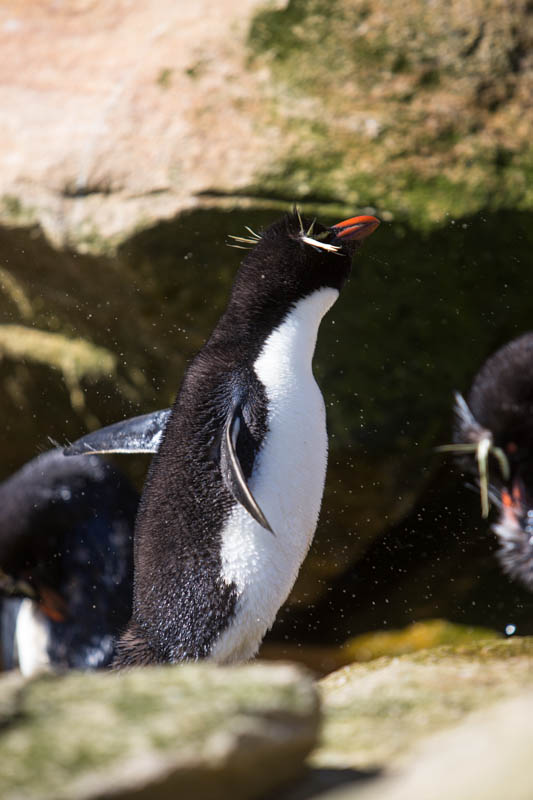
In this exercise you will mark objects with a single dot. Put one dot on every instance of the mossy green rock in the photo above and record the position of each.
(418, 636)
(376, 713)
(420, 109)
(411, 106)
(368, 646)
(188, 731)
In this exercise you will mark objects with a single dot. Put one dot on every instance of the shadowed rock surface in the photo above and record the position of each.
(369, 646)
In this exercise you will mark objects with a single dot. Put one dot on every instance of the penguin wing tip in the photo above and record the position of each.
(74, 450)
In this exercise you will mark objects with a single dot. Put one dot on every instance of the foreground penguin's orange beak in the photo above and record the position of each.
(355, 227)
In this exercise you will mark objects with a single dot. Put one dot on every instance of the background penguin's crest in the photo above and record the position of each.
(474, 439)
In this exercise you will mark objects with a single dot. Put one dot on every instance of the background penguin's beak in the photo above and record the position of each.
(355, 228)
(513, 504)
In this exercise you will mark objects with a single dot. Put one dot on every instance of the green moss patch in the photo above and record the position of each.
(412, 101)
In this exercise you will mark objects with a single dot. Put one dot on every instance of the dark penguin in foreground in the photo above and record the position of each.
(233, 494)
(66, 562)
(494, 440)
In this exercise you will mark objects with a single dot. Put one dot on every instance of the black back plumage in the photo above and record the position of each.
(180, 602)
(66, 538)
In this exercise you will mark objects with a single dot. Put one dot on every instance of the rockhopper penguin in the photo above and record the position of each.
(232, 498)
(494, 430)
(66, 562)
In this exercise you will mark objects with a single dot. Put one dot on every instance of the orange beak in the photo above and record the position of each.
(52, 604)
(355, 227)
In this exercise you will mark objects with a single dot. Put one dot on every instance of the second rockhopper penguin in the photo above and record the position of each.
(494, 440)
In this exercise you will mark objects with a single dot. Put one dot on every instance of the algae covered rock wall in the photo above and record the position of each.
(136, 139)
(419, 108)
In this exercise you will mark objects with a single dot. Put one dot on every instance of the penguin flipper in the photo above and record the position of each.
(141, 434)
(232, 470)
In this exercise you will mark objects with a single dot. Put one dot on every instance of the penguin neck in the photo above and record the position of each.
(287, 480)
(289, 348)
(289, 331)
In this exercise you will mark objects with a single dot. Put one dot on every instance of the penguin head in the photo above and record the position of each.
(494, 427)
(297, 256)
(494, 434)
(502, 399)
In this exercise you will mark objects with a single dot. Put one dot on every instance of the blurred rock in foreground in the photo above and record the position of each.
(375, 713)
(461, 713)
(451, 722)
(486, 757)
(189, 731)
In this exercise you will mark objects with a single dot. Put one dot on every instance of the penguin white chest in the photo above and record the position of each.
(287, 482)
(32, 636)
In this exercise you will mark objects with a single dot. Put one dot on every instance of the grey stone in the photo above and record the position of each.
(450, 722)
(185, 731)
(485, 757)
(376, 713)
